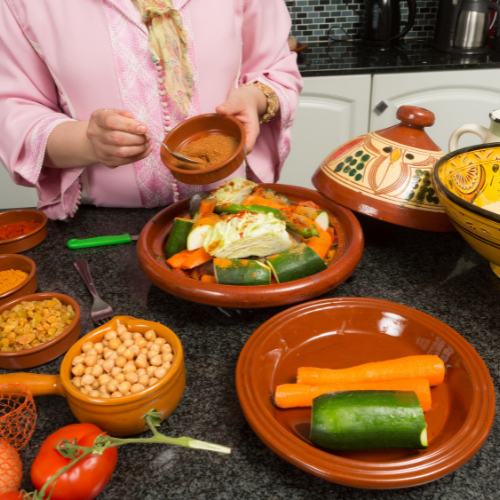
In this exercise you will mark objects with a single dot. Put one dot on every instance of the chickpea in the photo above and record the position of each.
(83, 391)
(155, 348)
(100, 361)
(136, 388)
(159, 340)
(167, 358)
(151, 354)
(140, 371)
(78, 370)
(105, 343)
(77, 360)
(156, 360)
(152, 381)
(110, 335)
(126, 336)
(88, 379)
(114, 355)
(135, 350)
(144, 351)
(128, 342)
(77, 382)
(87, 346)
(88, 388)
(141, 361)
(148, 345)
(150, 370)
(112, 386)
(160, 372)
(129, 367)
(108, 354)
(141, 343)
(116, 394)
(150, 335)
(108, 365)
(121, 361)
(94, 394)
(104, 395)
(124, 387)
(96, 371)
(131, 377)
(90, 360)
(104, 379)
(114, 343)
(121, 349)
(121, 329)
(98, 347)
(167, 366)
(87, 370)
(95, 385)
(166, 348)
(91, 352)
(143, 380)
(120, 377)
(115, 371)
(128, 355)
(137, 335)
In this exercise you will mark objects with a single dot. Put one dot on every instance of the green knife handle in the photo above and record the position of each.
(99, 241)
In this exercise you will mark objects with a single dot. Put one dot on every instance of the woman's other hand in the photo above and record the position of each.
(117, 138)
(247, 104)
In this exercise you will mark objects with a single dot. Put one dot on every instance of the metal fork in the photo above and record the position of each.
(101, 312)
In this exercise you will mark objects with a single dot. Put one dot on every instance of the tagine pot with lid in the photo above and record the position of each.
(387, 174)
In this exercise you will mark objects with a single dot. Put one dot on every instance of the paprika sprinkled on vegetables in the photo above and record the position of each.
(11, 231)
(10, 279)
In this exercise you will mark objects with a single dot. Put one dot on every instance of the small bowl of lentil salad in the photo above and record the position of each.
(37, 328)
(21, 229)
(17, 277)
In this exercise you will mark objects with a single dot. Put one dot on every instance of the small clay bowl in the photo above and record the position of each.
(48, 351)
(196, 128)
(116, 416)
(30, 240)
(343, 332)
(19, 263)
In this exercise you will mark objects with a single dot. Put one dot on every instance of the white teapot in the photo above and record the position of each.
(486, 135)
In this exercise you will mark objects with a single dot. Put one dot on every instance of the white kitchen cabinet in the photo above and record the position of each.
(455, 97)
(12, 196)
(332, 110)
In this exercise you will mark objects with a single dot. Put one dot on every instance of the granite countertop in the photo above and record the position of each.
(350, 58)
(437, 273)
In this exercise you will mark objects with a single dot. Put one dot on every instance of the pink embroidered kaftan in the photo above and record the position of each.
(61, 60)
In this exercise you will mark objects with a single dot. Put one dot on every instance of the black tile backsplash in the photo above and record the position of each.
(317, 20)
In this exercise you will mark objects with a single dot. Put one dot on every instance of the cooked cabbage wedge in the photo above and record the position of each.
(233, 191)
(247, 234)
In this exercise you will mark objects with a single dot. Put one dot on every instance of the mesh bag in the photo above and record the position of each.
(17, 414)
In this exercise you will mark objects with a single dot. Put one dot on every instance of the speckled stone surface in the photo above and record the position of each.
(437, 273)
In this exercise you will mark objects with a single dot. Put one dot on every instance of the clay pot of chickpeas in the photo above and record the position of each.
(115, 373)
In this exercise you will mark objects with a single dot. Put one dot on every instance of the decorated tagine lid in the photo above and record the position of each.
(387, 174)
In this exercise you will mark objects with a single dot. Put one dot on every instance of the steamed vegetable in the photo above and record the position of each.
(178, 237)
(360, 420)
(422, 366)
(233, 191)
(241, 272)
(301, 395)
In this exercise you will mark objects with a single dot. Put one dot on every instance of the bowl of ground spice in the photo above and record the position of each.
(21, 230)
(17, 277)
(217, 141)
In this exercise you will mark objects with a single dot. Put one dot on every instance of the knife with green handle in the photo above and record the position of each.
(101, 241)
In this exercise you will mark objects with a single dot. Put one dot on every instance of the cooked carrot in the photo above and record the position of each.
(207, 205)
(208, 219)
(207, 278)
(178, 259)
(253, 199)
(301, 395)
(321, 243)
(423, 366)
(196, 258)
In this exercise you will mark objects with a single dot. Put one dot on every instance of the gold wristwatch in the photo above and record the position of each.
(273, 103)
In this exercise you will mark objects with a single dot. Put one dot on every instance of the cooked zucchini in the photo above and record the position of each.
(242, 272)
(178, 237)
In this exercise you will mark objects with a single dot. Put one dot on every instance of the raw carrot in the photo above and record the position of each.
(207, 278)
(301, 395)
(196, 258)
(207, 205)
(178, 259)
(423, 366)
(321, 243)
(254, 199)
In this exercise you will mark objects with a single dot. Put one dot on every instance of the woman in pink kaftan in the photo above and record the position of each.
(61, 60)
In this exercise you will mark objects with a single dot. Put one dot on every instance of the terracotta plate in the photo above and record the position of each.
(343, 332)
(152, 260)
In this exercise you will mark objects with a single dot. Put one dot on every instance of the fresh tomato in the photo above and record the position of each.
(11, 495)
(83, 481)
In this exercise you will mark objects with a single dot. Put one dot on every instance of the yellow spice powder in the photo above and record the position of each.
(10, 279)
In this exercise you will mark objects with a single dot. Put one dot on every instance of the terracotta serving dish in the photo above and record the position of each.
(467, 180)
(20, 263)
(387, 174)
(48, 351)
(197, 128)
(344, 332)
(350, 248)
(30, 240)
(117, 416)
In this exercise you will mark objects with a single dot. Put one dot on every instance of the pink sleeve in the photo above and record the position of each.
(267, 58)
(28, 113)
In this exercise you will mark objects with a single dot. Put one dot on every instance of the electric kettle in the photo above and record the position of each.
(383, 21)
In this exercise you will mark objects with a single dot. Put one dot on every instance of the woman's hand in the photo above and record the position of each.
(117, 138)
(247, 104)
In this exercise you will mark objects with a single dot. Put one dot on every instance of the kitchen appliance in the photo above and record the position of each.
(383, 21)
(462, 26)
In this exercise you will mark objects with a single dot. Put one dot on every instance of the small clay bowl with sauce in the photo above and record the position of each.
(26, 241)
(43, 353)
(197, 128)
(18, 263)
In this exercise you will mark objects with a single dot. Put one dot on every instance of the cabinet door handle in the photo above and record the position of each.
(381, 107)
